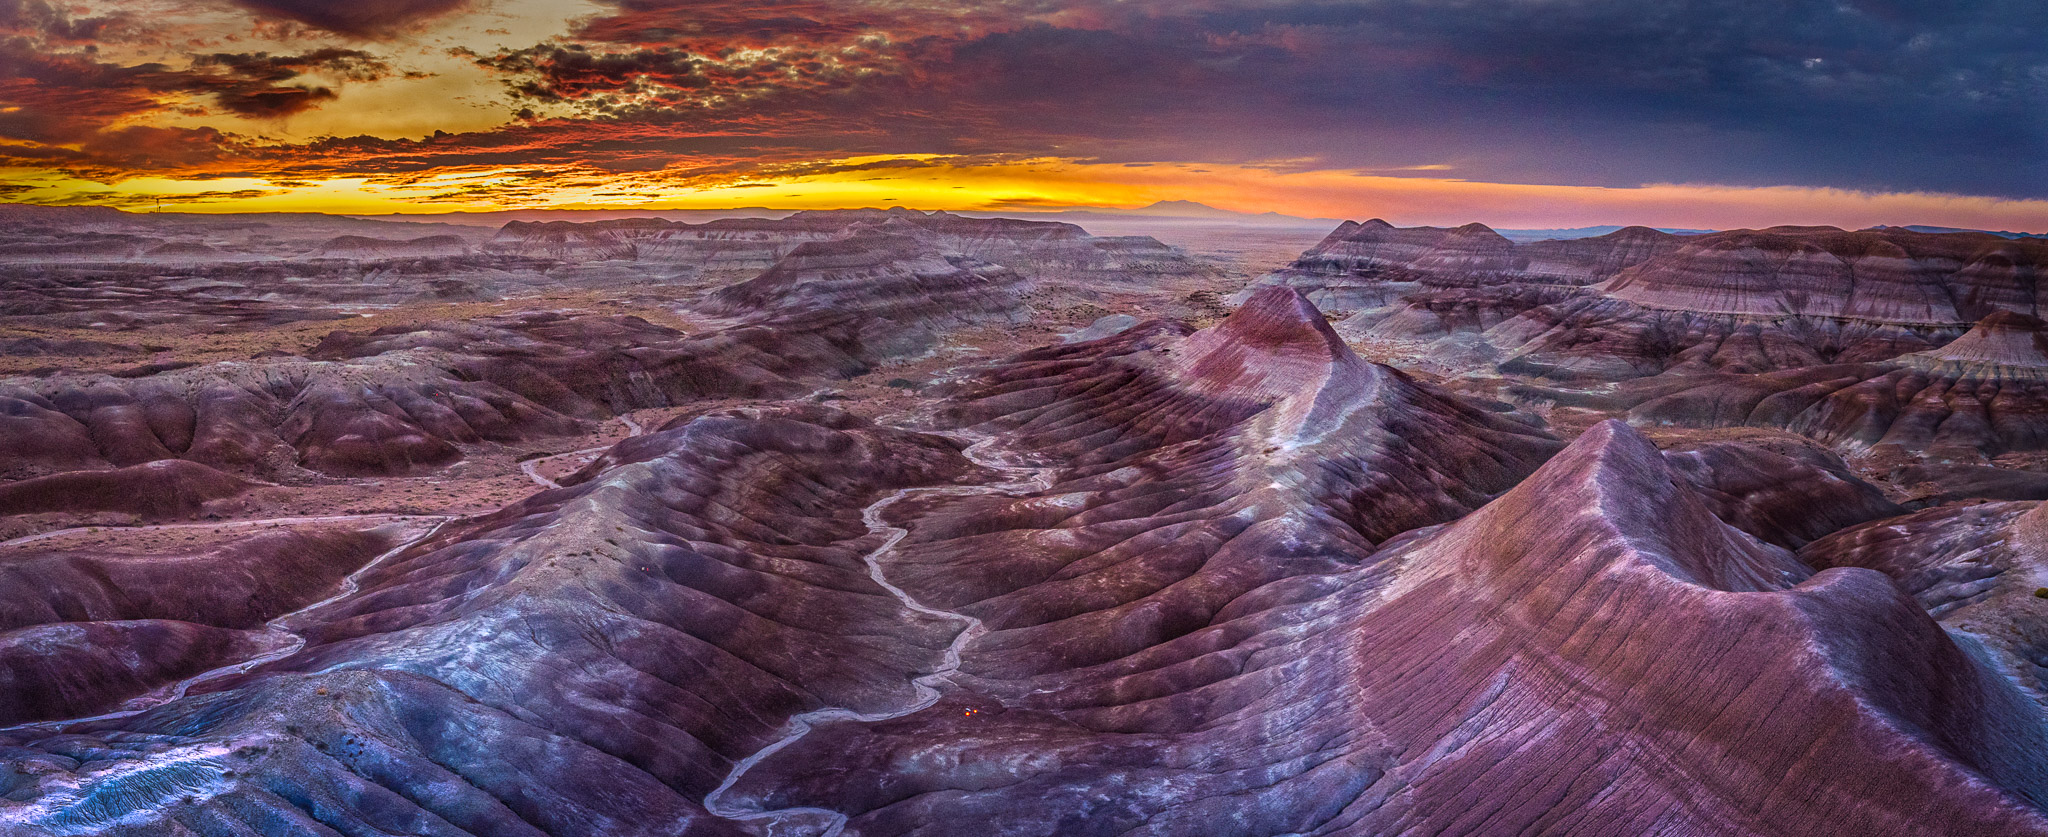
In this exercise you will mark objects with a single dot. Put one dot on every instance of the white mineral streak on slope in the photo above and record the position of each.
(287, 644)
(1023, 478)
(192, 774)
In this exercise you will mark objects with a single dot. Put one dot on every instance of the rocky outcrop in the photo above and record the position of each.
(1887, 276)
(2004, 346)
(1592, 339)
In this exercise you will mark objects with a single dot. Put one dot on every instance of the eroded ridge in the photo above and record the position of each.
(1183, 581)
(1592, 652)
(620, 643)
(1986, 393)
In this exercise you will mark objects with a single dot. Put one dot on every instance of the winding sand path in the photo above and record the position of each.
(1019, 478)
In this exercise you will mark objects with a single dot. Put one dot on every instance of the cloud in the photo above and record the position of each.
(1871, 94)
(68, 105)
(356, 18)
(1874, 95)
(259, 84)
(39, 18)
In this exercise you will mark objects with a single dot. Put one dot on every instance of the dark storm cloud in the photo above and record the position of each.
(356, 18)
(1861, 94)
(73, 102)
(258, 84)
(1873, 94)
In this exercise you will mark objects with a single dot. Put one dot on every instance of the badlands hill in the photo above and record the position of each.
(394, 401)
(233, 274)
(1984, 391)
(895, 523)
(1151, 583)
(1639, 302)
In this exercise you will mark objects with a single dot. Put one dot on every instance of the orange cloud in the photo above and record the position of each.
(992, 183)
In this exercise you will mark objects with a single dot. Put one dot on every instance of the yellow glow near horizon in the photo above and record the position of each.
(936, 182)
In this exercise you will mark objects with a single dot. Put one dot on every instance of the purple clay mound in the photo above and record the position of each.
(167, 489)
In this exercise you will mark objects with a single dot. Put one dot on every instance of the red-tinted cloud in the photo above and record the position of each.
(39, 18)
(64, 106)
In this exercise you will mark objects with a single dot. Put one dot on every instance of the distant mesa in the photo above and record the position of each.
(362, 247)
(186, 250)
(1372, 264)
(736, 249)
(1638, 302)
(1923, 228)
(1889, 277)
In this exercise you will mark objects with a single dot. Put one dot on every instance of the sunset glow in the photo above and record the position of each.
(1312, 109)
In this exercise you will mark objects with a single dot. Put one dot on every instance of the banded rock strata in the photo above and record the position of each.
(736, 249)
(1638, 302)
(1259, 586)
(1986, 392)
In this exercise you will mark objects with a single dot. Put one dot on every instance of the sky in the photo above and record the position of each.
(1516, 113)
